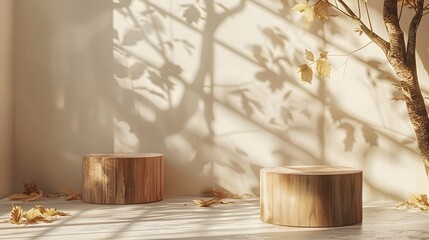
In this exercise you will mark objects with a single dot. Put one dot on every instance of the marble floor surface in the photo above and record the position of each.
(180, 218)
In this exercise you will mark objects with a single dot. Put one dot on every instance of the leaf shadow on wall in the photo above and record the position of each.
(176, 111)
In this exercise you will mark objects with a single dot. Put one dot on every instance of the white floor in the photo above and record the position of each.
(180, 218)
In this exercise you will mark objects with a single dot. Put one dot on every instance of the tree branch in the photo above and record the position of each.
(383, 44)
(397, 50)
(412, 34)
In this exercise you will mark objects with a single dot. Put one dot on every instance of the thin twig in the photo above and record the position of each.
(400, 12)
(368, 16)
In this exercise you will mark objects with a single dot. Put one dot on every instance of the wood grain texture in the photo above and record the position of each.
(123, 178)
(311, 196)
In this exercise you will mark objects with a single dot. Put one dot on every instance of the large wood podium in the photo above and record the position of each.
(123, 178)
(311, 196)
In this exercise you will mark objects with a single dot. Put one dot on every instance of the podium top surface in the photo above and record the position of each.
(311, 170)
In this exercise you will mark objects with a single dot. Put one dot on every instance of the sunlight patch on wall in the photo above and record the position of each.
(125, 140)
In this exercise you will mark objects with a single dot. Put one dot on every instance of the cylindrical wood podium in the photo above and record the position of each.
(311, 196)
(123, 178)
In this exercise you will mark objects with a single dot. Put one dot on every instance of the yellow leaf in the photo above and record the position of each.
(309, 55)
(308, 12)
(299, 7)
(306, 73)
(321, 10)
(41, 209)
(324, 54)
(207, 203)
(424, 199)
(50, 212)
(323, 68)
(33, 213)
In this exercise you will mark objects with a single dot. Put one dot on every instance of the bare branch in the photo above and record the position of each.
(383, 44)
(368, 16)
(412, 4)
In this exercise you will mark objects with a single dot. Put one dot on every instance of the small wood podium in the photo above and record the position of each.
(123, 178)
(311, 196)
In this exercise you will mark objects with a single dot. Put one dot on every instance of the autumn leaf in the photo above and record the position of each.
(309, 55)
(207, 203)
(323, 68)
(308, 12)
(306, 73)
(16, 215)
(321, 10)
(191, 14)
(30, 188)
(33, 216)
(324, 54)
(219, 192)
(34, 196)
(415, 200)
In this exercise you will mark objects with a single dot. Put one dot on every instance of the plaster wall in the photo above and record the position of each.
(6, 96)
(212, 87)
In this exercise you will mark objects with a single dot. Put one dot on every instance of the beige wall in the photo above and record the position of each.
(6, 96)
(63, 73)
(220, 97)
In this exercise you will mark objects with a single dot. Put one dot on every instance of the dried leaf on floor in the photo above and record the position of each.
(34, 196)
(18, 196)
(16, 215)
(34, 215)
(30, 188)
(219, 192)
(207, 203)
(67, 194)
(31, 192)
(416, 200)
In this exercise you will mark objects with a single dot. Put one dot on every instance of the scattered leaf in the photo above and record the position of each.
(16, 215)
(34, 196)
(306, 73)
(30, 188)
(207, 203)
(34, 215)
(418, 201)
(18, 196)
(219, 192)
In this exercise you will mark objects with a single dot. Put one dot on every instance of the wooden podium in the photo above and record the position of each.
(123, 178)
(311, 196)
